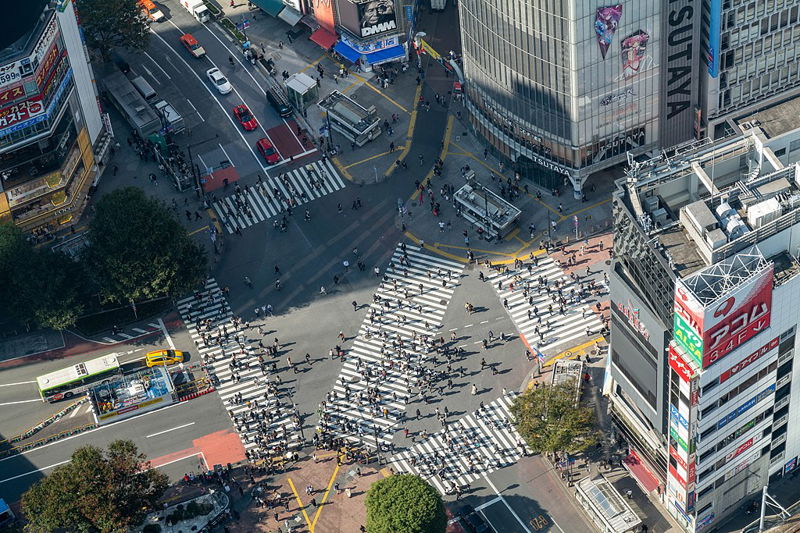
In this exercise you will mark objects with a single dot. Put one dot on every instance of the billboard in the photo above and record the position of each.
(376, 17)
(323, 13)
(688, 325)
(750, 359)
(634, 47)
(606, 20)
(679, 81)
(21, 112)
(714, 28)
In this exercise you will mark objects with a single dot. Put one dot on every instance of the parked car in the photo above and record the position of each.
(219, 81)
(268, 151)
(245, 118)
(473, 521)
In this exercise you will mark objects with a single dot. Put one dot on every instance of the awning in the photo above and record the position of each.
(347, 52)
(273, 7)
(324, 38)
(387, 54)
(290, 16)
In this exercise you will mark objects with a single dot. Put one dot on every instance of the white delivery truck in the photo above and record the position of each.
(198, 9)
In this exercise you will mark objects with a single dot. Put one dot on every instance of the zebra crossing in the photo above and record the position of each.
(534, 304)
(476, 444)
(391, 348)
(262, 416)
(250, 205)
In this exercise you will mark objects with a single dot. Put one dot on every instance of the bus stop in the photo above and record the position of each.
(302, 90)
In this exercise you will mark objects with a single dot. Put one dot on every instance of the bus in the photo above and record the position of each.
(75, 379)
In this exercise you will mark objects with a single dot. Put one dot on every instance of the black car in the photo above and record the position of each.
(473, 521)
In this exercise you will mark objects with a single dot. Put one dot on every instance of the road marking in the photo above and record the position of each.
(454, 329)
(469, 325)
(167, 335)
(524, 527)
(293, 134)
(21, 401)
(17, 383)
(300, 503)
(485, 322)
(183, 459)
(195, 109)
(226, 155)
(157, 65)
(75, 411)
(487, 504)
(168, 430)
(205, 167)
(151, 74)
(324, 498)
(34, 471)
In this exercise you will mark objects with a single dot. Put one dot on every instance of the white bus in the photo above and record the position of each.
(75, 379)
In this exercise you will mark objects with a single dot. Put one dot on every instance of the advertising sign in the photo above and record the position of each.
(606, 20)
(739, 317)
(323, 13)
(47, 38)
(679, 417)
(790, 465)
(740, 450)
(680, 366)
(750, 359)
(9, 95)
(371, 46)
(746, 406)
(675, 455)
(679, 83)
(634, 47)
(681, 442)
(47, 64)
(10, 73)
(20, 112)
(674, 472)
(714, 27)
(376, 16)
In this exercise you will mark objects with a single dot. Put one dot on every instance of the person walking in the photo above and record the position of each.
(474, 390)
(355, 306)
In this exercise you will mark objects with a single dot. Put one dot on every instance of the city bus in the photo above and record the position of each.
(75, 379)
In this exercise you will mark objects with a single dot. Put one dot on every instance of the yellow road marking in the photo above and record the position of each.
(434, 249)
(300, 503)
(342, 169)
(350, 87)
(574, 351)
(457, 247)
(511, 235)
(324, 498)
(198, 230)
(578, 212)
(524, 244)
(385, 472)
(368, 159)
(313, 63)
(213, 216)
(368, 84)
(412, 124)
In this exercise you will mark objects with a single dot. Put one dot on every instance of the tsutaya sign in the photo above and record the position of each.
(708, 333)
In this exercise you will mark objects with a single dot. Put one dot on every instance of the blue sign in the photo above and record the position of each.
(746, 406)
(676, 415)
(714, 28)
(46, 115)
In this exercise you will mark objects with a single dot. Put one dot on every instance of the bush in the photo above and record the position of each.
(231, 28)
(215, 12)
(404, 504)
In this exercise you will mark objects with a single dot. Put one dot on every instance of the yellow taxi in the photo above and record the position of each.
(163, 357)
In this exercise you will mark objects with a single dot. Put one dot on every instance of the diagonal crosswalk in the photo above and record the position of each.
(390, 350)
(263, 415)
(476, 444)
(254, 204)
(536, 295)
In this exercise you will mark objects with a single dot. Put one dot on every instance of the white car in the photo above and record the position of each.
(220, 82)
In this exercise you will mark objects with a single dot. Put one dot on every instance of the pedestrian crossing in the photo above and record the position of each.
(531, 297)
(476, 444)
(250, 205)
(389, 352)
(264, 417)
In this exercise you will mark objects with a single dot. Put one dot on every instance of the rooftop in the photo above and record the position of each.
(22, 19)
(774, 120)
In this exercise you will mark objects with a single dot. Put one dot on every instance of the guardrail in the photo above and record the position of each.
(47, 440)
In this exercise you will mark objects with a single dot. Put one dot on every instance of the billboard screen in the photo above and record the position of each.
(688, 328)
(714, 29)
(376, 17)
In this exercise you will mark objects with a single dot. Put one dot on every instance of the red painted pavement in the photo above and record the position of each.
(283, 137)
(638, 469)
(218, 448)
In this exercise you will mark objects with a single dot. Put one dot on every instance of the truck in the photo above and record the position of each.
(438, 5)
(198, 9)
(171, 119)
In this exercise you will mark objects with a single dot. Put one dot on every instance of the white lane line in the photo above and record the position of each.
(167, 336)
(524, 527)
(205, 167)
(17, 383)
(487, 504)
(151, 74)
(34, 471)
(293, 134)
(485, 322)
(157, 65)
(180, 459)
(195, 109)
(224, 111)
(226, 155)
(21, 401)
(168, 430)
(75, 411)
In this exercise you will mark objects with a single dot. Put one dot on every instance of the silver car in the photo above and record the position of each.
(219, 81)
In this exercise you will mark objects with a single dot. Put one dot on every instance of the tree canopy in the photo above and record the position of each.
(111, 23)
(38, 286)
(550, 421)
(139, 251)
(404, 503)
(97, 490)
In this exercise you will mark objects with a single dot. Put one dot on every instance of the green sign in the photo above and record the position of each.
(678, 439)
(688, 339)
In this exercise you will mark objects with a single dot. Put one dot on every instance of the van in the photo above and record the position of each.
(278, 101)
(152, 11)
(171, 119)
(144, 88)
(191, 44)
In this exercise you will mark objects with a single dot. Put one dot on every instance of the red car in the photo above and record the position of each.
(245, 118)
(268, 151)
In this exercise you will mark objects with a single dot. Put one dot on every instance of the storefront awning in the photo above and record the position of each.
(387, 54)
(324, 38)
(346, 51)
(273, 7)
(290, 16)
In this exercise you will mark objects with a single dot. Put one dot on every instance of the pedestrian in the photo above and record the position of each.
(474, 390)
(355, 306)
(347, 492)
(322, 290)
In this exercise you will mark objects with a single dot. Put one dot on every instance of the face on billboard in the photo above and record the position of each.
(633, 53)
(376, 16)
(606, 20)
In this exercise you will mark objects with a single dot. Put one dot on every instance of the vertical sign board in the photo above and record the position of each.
(688, 329)
(679, 82)
(714, 29)
(323, 12)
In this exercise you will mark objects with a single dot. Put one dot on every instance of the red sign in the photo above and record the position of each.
(46, 64)
(632, 314)
(674, 453)
(9, 95)
(20, 112)
(750, 359)
(692, 472)
(677, 476)
(680, 366)
(741, 449)
(741, 316)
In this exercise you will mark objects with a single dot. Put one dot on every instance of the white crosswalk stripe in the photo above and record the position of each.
(253, 204)
(371, 392)
(476, 444)
(532, 305)
(262, 414)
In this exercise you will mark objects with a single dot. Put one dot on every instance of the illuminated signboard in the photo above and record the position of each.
(680, 366)
(674, 434)
(746, 406)
(688, 323)
(750, 359)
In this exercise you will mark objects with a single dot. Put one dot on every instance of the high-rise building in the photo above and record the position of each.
(52, 135)
(704, 289)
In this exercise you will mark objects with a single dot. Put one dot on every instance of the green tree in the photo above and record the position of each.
(404, 504)
(550, 421)
(39, 286)
(111, 23)
(139, 251)
(98, 490)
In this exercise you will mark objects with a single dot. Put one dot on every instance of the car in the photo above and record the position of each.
(220, 82)
(192, 46)
(473, 521)
(268, 151)
(163, 357)
(245, 118)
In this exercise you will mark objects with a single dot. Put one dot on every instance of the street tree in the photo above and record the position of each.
(550, 420)
(97, 490)
(111, 23)
(138, 250)
(404, 503)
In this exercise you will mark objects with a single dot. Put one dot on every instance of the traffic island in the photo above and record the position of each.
(202, 513)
